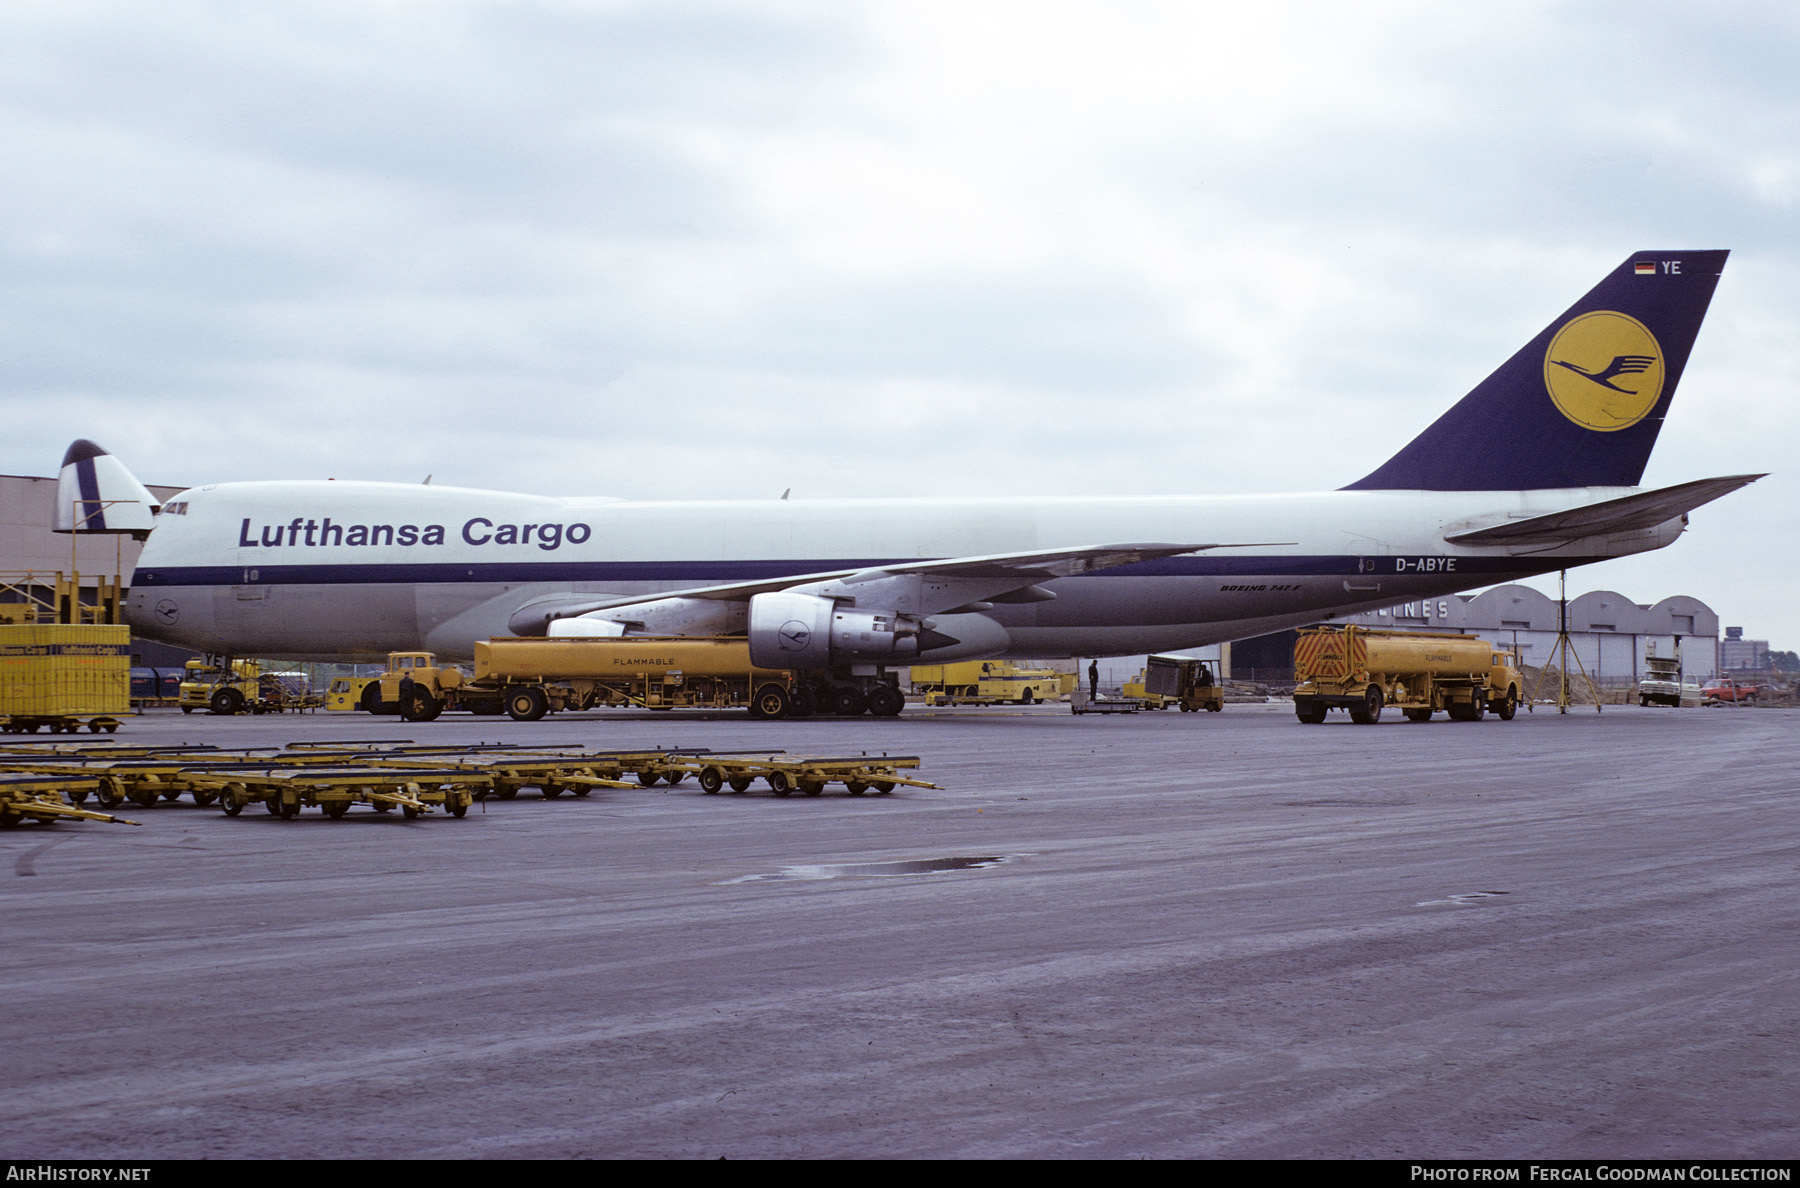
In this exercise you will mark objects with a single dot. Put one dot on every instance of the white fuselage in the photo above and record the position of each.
(355, 570)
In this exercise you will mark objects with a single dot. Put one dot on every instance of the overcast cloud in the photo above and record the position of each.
(721, 249)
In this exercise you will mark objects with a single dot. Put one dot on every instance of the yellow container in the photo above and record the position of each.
(56, 668)
(936, 676)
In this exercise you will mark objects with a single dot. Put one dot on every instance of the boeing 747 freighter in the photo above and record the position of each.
(1534, 470)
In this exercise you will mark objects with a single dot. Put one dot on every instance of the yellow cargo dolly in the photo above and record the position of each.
(39, 798)
(510, 767)
(505, 775)
(141, 781)
(57, 723)
(398, 773)
(148, 775)
(284, 791)
(142, 775)
(579, 772)
(808, 773)
(19, 750)
(575, 774)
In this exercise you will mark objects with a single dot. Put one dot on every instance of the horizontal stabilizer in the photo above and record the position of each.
(1631, 513)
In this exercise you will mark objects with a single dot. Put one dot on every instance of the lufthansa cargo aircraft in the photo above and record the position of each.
(1534, 470)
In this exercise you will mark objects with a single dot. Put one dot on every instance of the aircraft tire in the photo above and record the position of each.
(885, 701)
(847, 701)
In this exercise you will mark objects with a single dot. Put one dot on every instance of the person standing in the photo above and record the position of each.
(1094, 680)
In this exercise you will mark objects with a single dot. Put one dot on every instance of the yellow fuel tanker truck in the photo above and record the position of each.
(1362, 670)
(528, 678)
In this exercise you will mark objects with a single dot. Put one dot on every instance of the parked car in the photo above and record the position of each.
(1716, 692)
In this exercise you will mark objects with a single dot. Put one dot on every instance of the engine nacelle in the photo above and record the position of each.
(662, 616)
(584, 627)
(789, 630)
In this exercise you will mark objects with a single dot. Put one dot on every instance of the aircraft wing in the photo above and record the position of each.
(955, 580)
(1025, 568)
(1646, 509)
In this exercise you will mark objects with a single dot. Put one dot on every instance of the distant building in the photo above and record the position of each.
(1737, 654)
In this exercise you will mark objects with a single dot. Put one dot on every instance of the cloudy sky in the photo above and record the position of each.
(719, 249)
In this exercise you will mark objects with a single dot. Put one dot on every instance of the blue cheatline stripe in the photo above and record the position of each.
(720, 572)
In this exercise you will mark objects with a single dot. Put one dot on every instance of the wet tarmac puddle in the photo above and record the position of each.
(1462, 899)
(845, 870)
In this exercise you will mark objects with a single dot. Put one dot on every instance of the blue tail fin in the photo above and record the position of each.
(1580, 405)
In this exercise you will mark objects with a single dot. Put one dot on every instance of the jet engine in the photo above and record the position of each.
(789, 630)
(792, 630)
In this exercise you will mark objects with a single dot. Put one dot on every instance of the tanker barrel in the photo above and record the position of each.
(1437, 656)
(615, 658)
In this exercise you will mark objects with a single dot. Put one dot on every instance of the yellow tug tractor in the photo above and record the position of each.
(1175, 680)
(214, 687)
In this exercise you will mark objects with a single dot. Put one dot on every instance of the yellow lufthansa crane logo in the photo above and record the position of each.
(1604, 370)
